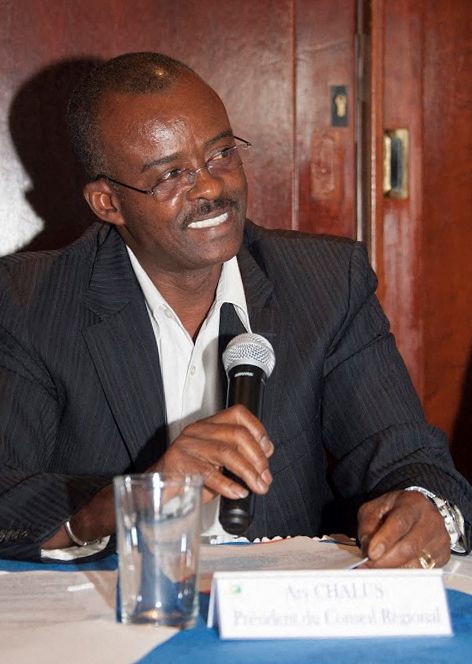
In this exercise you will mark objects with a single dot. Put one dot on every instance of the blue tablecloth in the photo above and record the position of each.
(108, 563)
(203, 646)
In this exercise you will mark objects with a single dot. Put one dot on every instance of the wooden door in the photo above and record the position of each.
(421, 64)
(273, 63)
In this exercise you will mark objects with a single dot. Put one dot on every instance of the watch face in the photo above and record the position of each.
(449, 516)
(452, 516)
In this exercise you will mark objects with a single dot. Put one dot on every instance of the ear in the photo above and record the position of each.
(103, 202)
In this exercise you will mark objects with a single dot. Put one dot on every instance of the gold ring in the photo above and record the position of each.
(426, 560)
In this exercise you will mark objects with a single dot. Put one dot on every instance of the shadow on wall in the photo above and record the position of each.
(461, 441)
(39, 133)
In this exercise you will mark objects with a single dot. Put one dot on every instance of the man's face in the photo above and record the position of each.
(145, 137)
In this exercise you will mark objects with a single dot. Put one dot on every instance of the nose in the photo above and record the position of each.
(206, 185)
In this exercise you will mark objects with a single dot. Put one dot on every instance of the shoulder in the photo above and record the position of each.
(306, 257)
(320, 282)
(31, 275)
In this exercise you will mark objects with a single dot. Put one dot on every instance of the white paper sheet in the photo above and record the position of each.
(297, 553)
(302, 553)
(458, 574)
(68, 617)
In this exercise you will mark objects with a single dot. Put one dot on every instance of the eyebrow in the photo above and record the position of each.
(226, 133)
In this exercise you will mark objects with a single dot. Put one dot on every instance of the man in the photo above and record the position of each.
(110, 349)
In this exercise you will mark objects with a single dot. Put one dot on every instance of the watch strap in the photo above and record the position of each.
(453, 519)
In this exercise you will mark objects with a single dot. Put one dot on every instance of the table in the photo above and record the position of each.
(99, 639)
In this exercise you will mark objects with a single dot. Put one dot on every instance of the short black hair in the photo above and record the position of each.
(135, 73)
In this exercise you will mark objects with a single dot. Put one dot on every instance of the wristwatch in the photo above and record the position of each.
(453, 519)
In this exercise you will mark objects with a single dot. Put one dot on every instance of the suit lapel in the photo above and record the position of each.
(124, 352)
(123, 348)
(266, 319)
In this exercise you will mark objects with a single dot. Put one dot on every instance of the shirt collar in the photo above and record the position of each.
(230, 289)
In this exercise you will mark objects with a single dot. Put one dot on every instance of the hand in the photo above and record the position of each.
(234, 439)
(396, 528)
(96, 519)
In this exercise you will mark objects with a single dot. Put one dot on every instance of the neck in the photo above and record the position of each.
(189, 295)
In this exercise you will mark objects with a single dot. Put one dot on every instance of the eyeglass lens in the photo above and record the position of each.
(224, 161)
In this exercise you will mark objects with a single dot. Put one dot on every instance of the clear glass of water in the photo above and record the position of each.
(158, 538)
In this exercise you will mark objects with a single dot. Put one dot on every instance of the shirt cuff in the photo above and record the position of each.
(75, 552)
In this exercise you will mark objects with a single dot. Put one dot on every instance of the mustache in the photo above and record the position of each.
(207, 207)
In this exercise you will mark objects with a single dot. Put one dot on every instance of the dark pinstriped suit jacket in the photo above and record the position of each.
(81, 395)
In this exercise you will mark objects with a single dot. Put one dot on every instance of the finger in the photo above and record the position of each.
(241, 457)
(214, 482)
(218, 483)
(395, 559)
(208, 495)
(207, 454)
(225, 439)
(371, 515)
(408, 551)
(413, 525)
(240, 415)
(395, 537)
(229, 445)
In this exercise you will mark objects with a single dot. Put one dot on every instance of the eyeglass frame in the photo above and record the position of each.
(150, 192)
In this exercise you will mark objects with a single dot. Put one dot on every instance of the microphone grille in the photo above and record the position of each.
(250, 349)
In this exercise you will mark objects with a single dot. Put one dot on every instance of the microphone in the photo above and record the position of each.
(248, 360)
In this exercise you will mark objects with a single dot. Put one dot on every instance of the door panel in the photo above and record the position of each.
(397, 98)
(446, 256)
(422, 246)
(325, 153)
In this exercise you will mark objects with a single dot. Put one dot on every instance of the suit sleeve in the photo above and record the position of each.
(33, 501)
(373, 423)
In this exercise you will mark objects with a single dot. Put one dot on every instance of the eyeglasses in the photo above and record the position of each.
(179, 180)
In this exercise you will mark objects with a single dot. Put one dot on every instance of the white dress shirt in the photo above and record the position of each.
(190, 370)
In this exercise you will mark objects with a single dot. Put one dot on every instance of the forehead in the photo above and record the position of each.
(182, 117)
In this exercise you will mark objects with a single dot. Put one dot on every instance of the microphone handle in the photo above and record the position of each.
(245, 386)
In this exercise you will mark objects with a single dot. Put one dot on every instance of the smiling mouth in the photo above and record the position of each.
(209, 223)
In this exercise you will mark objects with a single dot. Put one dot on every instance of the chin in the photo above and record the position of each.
(210, 259)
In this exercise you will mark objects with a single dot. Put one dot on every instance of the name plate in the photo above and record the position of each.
(329, 604)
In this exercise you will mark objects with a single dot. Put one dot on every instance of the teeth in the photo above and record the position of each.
(208, 223)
